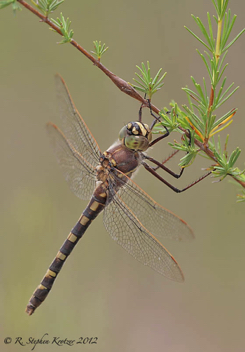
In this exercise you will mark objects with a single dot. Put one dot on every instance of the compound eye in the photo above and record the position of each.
(139, 143)
(123, 133)
(147, 128)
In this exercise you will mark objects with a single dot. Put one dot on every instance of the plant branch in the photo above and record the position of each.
(126, 87)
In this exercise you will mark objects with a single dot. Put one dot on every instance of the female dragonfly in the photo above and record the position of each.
(131, 217)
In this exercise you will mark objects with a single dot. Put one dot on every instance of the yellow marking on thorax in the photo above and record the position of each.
(72, 237)
(50, 273)
(129, 172)
(113, 162)
(61, 256)
(84, 220)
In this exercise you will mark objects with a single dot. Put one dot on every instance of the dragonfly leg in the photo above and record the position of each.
(140, 110)
(160, 138)
(167, 159)
(156, 118)
(162, 166)
(140, 113)
(175, 189)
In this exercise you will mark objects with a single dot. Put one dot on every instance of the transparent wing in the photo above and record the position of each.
(127, 231)
(80, 174)
(74, 126)
(158, 220)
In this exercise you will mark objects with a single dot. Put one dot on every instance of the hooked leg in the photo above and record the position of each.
(175, 189)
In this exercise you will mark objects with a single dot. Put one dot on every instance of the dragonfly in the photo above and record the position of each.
(132, 218)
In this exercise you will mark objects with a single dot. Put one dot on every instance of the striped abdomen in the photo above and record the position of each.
(95, 206)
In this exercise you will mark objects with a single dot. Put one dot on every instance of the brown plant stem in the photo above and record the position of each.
(119, 82)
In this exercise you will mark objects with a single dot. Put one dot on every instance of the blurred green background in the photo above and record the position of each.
(102, 291)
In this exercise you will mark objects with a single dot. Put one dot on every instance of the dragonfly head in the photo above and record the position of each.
(136, 136)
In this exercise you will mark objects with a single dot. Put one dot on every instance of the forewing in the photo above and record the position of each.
(74, 126)
(158, 220)
(127, 231)
(80, 175)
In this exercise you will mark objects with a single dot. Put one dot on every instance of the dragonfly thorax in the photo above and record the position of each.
(136, 136)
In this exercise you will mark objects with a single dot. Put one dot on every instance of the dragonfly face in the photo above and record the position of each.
(136, 136)
(131, 216)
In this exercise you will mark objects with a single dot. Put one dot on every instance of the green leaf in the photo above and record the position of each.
(222, 101)
(233, 41)
(14, 3)
(6, 3)
(223, 118)
(99, 49)
(199, 39)
(64, 26)
(206, 64)
(47, 6)
(204, 31)
(148, 85)
(216, 6)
